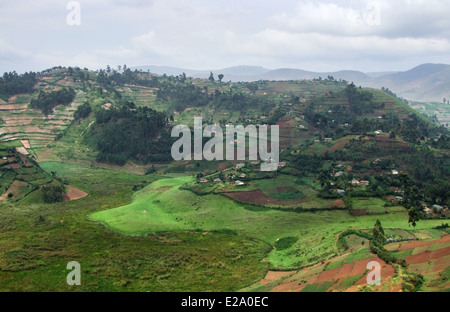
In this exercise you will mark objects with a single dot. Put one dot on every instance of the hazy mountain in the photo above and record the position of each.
(427, 82)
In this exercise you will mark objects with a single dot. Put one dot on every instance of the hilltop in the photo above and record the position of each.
(426, 82)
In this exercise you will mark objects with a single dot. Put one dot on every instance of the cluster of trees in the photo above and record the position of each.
(47, 101)
(185, 95)
(12, 83)
(124, 75)
(53, 193)
(77, 73)
(125, 132)
(83, 111)
(361, 102)
(306, 163)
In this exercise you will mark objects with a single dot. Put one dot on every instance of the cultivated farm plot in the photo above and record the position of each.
(369, 205)
(348, 272)
(21, 123)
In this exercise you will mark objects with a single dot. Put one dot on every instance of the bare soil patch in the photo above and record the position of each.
(254, 197)
(74, 194)
(416, 244)
(22, 150)
(358, 212)
(337, 203)
(13, 166)
(339, 145)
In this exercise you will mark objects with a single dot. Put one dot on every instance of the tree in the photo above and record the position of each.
(211, 77)
(413, 216)
(82, 111)
(378, 233)
(220, 77)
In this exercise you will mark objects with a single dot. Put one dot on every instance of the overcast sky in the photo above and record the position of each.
(210, 34)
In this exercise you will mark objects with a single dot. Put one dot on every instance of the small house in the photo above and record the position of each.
(355, 182)
(240, 166)
(428, 211)
(217, 180)
(365, 183)
(204, 180)
(243, 176)
(437, 208)
(328, 140)
(395, 172)
(239, 183)
(340, 192)
(282, 164)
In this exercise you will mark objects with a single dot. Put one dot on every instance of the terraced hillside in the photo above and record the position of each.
(24, 123)
(20, 175)
(348, 272)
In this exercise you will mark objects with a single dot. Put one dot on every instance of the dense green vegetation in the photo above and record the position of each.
(48, 101)
(125, 132)
(13, 83)
(82, 111)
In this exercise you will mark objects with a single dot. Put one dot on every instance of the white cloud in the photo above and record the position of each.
(209, 34)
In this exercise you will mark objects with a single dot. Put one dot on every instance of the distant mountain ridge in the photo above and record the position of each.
(426, 82)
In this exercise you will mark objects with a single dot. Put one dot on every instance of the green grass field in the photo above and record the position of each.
(38, 240)
(162, 207)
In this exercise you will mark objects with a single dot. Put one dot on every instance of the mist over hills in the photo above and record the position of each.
(426, 82)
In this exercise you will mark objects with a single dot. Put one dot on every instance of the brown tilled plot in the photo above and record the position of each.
(74, 194)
